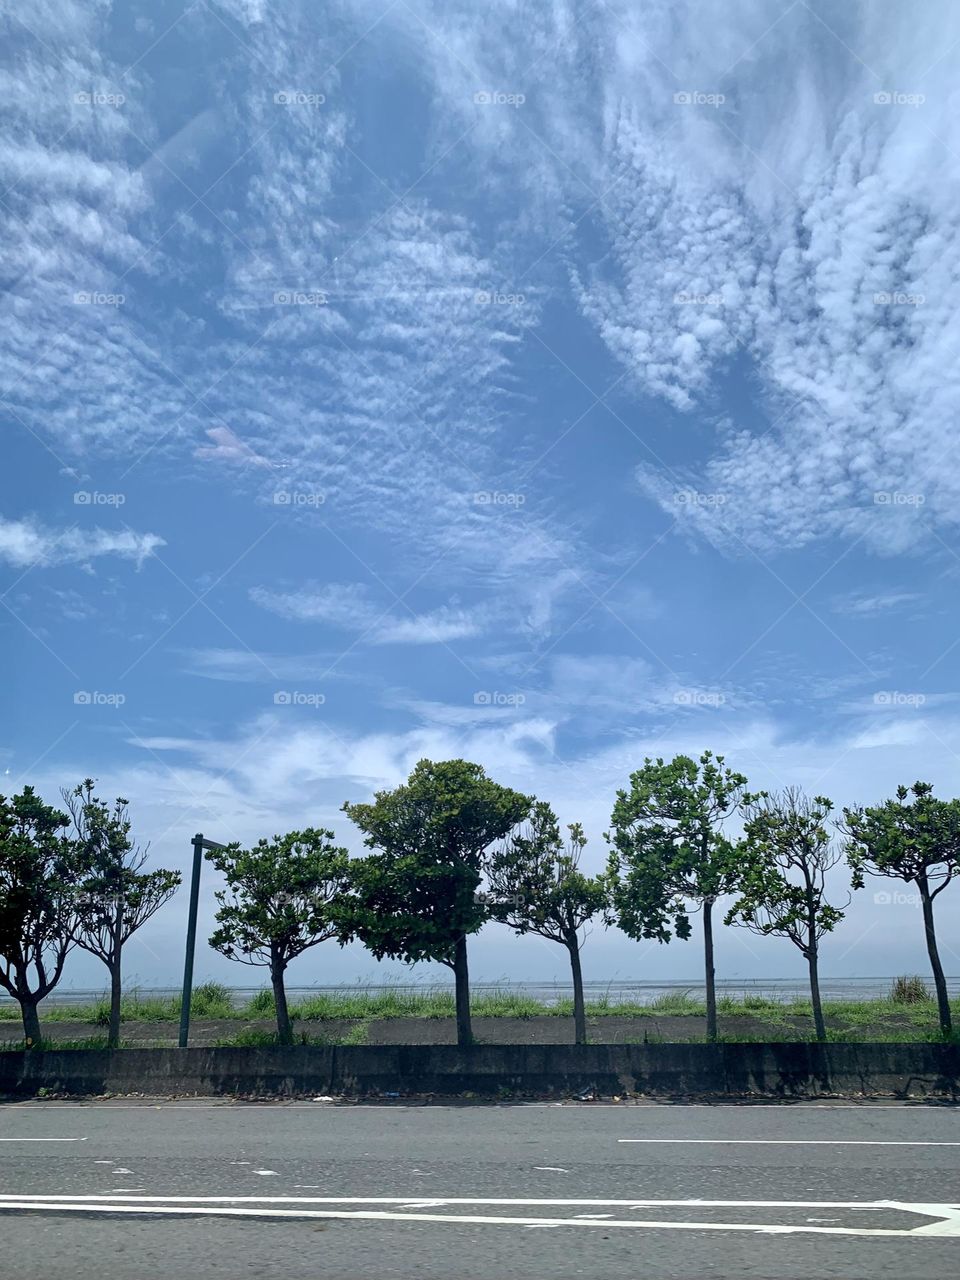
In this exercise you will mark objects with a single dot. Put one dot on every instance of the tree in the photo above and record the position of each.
(916, 840)
(669, 849)
(415, 897)
(115, 896)
(535, 885)
(37, 908)
(278, 904)
(786, 855)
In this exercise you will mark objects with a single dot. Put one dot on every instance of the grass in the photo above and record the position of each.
(907, 1013)
(210, 1000)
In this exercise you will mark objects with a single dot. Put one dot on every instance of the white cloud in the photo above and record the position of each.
(860, 605)
(24, 543)
(799, 227)
(227, 447)
(352, 607)
(244, 666)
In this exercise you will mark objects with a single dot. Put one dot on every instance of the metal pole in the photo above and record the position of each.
(198, 844)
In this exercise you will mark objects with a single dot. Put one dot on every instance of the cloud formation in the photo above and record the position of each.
(27, 543)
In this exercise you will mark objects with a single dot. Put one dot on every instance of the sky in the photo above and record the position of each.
(549, 384)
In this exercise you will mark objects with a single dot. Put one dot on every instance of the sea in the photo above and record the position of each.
(615, 990)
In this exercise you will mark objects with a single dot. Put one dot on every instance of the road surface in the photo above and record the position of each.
(138, 1191)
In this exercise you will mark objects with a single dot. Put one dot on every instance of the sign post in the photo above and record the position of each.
(199, 844)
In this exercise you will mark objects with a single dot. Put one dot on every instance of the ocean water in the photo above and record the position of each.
(616, 990)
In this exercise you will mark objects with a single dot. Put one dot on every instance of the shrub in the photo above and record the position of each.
(909, 989)
(212, 1000)
(261, 1005)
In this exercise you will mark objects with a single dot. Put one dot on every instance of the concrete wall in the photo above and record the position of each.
(774, 1070)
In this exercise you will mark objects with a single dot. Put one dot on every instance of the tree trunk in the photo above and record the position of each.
(461, 978)
(284, 1026)
(31, 1021)
(113, 1034)
(813, 961)
(709, 970)
(579, 1013)
(939, 981)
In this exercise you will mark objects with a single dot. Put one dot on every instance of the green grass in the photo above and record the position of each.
(892, 1018)
(429, 1003)
(210, 1000)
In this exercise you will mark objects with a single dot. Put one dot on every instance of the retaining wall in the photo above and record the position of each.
(666, 1070)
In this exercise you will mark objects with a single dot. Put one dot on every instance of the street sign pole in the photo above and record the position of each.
(199, 844)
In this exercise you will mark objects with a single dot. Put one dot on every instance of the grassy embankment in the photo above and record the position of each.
(908, 1014)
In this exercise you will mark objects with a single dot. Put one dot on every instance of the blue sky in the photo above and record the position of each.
(549, 384)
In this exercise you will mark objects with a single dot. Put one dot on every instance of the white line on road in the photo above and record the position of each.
(949, 1225)
(635, 1202)
(42, 1139)
(786, 1142)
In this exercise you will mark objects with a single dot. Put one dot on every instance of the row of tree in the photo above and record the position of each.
(451, 849)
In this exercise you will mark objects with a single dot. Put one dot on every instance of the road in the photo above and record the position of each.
(138, 1191)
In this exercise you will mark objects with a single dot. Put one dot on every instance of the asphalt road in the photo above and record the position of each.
(199, 1189)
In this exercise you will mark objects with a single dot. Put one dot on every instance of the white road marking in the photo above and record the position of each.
(947, 1223)
(47, 1140)
(549, 1168)
(266, 1173)
(635, 1202)
(785, 1142)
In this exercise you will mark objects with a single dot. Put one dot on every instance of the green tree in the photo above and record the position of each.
(915, 838)
(278, 903)
(415, 896)
(669, 849)
(37, 903)
(535, 885)
(115, 896)
(786, 855)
